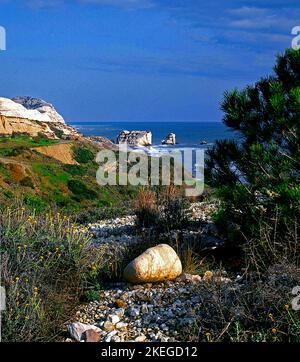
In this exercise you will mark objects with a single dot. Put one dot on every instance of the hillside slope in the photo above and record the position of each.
(54, 173)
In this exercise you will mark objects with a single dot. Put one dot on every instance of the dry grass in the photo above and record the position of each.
(46, 263)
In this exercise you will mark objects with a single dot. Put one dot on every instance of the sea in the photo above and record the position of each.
(189, 135)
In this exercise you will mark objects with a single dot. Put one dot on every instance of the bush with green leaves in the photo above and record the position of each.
(81, 191)
(258, 174)
(83, 155)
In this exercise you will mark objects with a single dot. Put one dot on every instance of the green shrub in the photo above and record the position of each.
(81, 191)
(35, 202)
(27, 182)
(74, 170)
(12, 152)
(83, 155)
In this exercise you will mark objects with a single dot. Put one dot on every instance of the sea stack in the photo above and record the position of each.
(170, 140)
(135, 138)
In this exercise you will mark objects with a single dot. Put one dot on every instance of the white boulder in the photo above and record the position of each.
(154, 265)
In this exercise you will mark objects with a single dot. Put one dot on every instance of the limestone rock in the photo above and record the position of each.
(11, 109)
(42, 107)
(15, 125)
(91, 335)
(27, 115)
(77, 330)
(135, 138)
(170, 140)
(154, 265)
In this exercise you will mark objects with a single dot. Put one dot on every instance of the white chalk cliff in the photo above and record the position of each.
(33, 118)
(44, 108)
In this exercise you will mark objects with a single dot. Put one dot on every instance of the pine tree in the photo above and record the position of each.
(257, 176)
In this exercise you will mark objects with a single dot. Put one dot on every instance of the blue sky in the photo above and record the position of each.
(140, 60)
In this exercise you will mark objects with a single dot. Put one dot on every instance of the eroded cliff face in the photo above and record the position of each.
(16, 125)
(33, 118)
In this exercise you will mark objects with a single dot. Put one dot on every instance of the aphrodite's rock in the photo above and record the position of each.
(42, 107)
(154, 265)
(135, 138)
(170, 140)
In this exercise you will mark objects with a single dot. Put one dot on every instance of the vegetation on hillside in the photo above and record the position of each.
(43, 182)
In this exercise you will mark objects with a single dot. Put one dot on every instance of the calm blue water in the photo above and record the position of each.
(188, 134)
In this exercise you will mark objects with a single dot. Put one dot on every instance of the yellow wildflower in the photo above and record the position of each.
(274, 330)
(286, 307)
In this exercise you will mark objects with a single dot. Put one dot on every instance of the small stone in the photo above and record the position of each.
(144, 309)
(120, 312)
(77, 329)
(189, 278)
(113, 318)
(120, 303)
(208, 275)
(141, 338)
(115, 339)
(134, 312)
(110, 335)
(121, 326)
(91, 336)
(108, 326)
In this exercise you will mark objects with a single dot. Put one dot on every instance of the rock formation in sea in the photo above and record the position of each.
(170, 140)
(135, 138)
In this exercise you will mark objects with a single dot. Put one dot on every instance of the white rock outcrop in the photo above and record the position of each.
(154, 265)
(9, 108)
(42, 107)
(14, 119)
(135, 138)
(27, 115)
